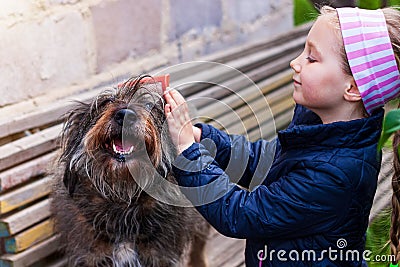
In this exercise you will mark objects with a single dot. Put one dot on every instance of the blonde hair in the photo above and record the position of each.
(392, 17)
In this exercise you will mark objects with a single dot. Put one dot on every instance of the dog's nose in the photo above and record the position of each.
(127, 115)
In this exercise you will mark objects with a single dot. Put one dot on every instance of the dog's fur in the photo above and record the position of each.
(105, 218)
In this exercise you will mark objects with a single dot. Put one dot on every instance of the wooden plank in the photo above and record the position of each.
(31, 255)
(22, 219)
(268, 130)
(383, 195)
(62, 262)
(30, 237)
(22, 173)
(24, 195)
(250, 123)
(257, 107)
(41, 111)
(250, 81)
(29, 147)
(213, 110)
(223, 251)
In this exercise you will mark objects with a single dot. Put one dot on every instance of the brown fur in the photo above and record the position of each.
(101, 203)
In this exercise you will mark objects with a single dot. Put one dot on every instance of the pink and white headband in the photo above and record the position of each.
(370, 55)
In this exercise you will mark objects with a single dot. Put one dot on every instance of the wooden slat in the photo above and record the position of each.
(213, 110)
(223, 251)
(29, 147)
(268, 129)
(22, 173)
(31, 255)
(22, 219)
(275, 68)
(24, 195)
(258, 107)
(62, 262)
(48, 112)
(30, 237)
(384, 191)
(249, 124)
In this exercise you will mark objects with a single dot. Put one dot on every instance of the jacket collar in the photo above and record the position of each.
(307, 130)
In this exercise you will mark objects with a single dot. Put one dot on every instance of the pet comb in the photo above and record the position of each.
(160, 83)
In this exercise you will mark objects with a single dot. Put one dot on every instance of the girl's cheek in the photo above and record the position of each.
(310, 91)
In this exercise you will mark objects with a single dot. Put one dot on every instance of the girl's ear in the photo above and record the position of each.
(352, 93)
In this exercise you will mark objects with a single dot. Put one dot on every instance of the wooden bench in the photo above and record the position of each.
(29, 132)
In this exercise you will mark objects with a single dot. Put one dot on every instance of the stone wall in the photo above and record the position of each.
(49, 45)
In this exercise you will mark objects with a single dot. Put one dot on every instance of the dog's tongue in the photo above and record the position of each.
(122, 146)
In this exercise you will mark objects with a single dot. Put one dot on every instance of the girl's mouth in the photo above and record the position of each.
(296, 82)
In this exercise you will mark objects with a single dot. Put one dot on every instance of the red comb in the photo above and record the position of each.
(158, 80)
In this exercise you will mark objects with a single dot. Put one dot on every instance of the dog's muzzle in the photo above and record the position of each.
(123, 146)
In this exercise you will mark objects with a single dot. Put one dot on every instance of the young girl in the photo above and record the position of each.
(313, 205)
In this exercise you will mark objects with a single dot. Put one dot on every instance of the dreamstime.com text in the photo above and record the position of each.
(333, 254)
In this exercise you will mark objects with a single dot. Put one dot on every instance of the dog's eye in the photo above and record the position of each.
(149, 106)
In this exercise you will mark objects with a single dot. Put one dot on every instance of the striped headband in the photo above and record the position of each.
(370, 55)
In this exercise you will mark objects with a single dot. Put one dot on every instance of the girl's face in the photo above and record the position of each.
(319, 81)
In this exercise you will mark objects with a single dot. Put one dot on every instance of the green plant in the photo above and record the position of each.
(304, 11)
(391, 124)
(378, 238)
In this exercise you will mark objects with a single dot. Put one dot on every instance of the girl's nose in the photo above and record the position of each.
(295, 65)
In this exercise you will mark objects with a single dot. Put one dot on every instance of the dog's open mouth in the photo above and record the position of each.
(121, 149)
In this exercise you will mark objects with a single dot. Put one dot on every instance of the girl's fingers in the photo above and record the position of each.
(170, 100)
(167, 109)
(178, 98)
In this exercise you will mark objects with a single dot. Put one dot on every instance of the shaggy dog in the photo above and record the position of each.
(109, 202)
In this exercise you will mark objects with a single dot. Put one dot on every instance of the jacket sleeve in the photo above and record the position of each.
(305, 202)
(237, 156)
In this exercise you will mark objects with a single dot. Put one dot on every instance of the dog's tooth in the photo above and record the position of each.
(114, 148)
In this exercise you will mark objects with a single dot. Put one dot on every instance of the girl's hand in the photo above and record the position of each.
(179, 123)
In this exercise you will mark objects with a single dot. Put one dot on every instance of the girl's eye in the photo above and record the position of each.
(310, 59)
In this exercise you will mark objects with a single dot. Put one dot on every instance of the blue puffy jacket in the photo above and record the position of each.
(312, 204)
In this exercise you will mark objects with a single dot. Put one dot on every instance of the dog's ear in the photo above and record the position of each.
(76, 124)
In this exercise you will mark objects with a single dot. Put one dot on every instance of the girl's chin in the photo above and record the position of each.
(297, 99)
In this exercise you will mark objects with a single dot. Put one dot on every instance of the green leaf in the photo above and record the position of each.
(391, 124)
(378, 238)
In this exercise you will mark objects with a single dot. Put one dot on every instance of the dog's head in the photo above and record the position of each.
(118, 141)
